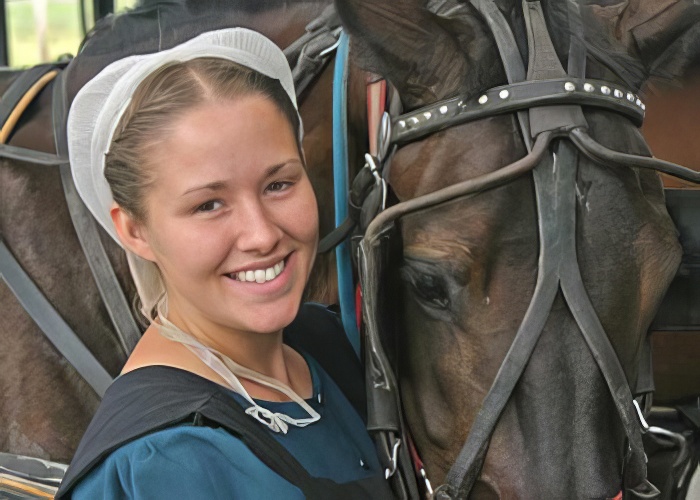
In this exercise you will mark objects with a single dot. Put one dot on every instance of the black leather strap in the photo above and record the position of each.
(336, 236)
(551, 214)
(31, 156)
(511, 98)
(86, 229)
(577, 44)
(510, 55)
(605, 156)
(51, 323)
(309, 54)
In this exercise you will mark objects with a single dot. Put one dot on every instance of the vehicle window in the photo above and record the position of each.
(44, 30)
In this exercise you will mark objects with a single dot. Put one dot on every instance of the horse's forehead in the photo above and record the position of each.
(436, 246)
(454, 155)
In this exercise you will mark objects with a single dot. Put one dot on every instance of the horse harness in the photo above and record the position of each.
(308, 56)
(548, 103)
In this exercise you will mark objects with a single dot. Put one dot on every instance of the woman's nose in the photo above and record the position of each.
(257, 230)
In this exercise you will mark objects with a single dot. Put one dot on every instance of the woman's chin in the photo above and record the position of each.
(271, 318)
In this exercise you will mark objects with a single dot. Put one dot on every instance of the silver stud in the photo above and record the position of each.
(605, 90)
(569, 86)
(483, 99)
(320, 398)
(588, 87)
(618, 93)
(644, 107)
(427, 115)
(630, 96)
(362, 463)
(443, 110)
(402, 123)
(503, 94)
(413, 120)
(638, 102)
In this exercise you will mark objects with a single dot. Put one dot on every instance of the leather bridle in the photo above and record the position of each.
(548, 103)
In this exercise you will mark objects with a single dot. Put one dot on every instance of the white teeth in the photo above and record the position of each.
(260, 275)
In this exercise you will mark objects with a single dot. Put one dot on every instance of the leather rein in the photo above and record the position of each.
(547, 100)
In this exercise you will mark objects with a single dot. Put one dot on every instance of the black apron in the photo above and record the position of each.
(154, 398)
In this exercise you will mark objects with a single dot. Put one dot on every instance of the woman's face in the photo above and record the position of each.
(231, 219)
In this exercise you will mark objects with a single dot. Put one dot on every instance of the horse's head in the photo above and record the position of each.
(470, 266)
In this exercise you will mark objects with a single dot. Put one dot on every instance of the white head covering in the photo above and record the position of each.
(98, 107)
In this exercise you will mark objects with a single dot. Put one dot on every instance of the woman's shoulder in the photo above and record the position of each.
(184, 462)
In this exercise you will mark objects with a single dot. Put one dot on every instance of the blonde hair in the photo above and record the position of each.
(163, 96)
(159, 100)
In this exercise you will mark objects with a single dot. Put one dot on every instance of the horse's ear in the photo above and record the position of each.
(663, 34)
(669, 41)
(412, 47)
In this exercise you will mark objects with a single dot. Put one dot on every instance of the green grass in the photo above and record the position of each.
(63, 31)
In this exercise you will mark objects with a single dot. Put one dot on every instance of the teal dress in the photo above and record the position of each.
(188, 462)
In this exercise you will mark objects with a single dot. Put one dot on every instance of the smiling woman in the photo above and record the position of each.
(191, 160)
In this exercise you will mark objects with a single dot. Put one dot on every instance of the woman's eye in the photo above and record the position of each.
(278, 186)
(209, 206)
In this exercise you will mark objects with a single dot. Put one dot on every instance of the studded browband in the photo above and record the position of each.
(515, 97)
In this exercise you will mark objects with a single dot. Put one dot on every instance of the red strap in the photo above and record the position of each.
(417, 462)
(617, 497)
(376, 103)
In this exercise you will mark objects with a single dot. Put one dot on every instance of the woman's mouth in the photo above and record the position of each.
(259, 275)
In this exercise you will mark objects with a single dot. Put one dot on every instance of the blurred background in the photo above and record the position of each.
(44, 30)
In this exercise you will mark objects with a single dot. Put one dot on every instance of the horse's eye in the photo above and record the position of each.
(429, 288)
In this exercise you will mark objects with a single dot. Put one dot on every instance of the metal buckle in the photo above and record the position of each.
(379, 180)
(428, 487)
(640, 416)
(383, 136)
(336, 34)
(393, 461)
(444, 492)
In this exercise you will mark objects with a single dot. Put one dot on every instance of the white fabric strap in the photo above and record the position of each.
(230, 371)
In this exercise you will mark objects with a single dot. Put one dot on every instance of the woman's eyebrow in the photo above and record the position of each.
(212, 186)
(220, 185)
(272, 170)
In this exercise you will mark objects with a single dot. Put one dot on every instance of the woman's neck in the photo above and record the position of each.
(261, 352)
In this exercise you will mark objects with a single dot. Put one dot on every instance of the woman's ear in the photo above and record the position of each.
(132, 233)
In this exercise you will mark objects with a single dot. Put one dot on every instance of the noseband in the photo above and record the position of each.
(548, 103)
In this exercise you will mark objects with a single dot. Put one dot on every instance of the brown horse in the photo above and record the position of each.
(44, 405)
(468, 268)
